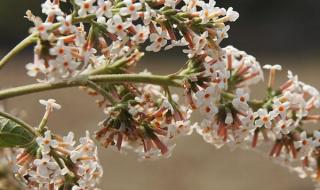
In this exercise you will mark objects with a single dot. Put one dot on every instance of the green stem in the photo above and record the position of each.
(136, 78)
(56, 157)
(18, 48)
(43, 123)
(19, 121)
(83, 81)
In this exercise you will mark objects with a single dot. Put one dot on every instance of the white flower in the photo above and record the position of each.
(158, 41)
(42, 28)
(240, 102)
(62, 67)
(176, 43)
(247, 121)
(51, 9)
(229, 118)
(67, 141)
(45, 166)
(200, 43)
(104, 8)
(119, 48)
(86, 6)
(35, 68)
(87, 54)
(305, 144)
(191, 5)
(50, 104)
(183, 128)
(117, 26)
(86, 149)
(130, 9)
(60, 50)
(223, 34)
(284, 127)
(232, 15)
(204, 96)
(46, 142)
(265, 118)
(142, 34)
(208, 110)
(66, 24)
(207, 9)
(280, 108)
(273, 67)
(296, 100)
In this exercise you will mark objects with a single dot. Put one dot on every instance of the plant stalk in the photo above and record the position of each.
(83, 81)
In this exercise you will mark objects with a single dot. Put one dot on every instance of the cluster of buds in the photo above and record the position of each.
(56, 162)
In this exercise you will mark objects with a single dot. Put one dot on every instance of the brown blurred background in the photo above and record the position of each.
(276, 32)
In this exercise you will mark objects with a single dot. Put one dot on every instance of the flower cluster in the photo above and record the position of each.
(97, 45)
(64, 48)
(58, 162)
(147, 123)
(225, 118)
(230, 117)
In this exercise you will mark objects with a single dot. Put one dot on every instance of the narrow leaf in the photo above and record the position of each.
(13, 134)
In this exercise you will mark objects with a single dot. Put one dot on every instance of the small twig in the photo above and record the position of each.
(18, 48)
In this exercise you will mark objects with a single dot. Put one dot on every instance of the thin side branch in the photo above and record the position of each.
(18, 48)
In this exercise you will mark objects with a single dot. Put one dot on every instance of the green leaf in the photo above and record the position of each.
(13, 134)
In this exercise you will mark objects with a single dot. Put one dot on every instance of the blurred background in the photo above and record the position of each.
(277, 32)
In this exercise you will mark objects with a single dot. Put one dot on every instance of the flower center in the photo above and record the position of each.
(131, 8)
(86, 5)
(265, 119)
(119, 27)
(281, 108)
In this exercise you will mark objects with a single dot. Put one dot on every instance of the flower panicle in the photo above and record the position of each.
(100, 37)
